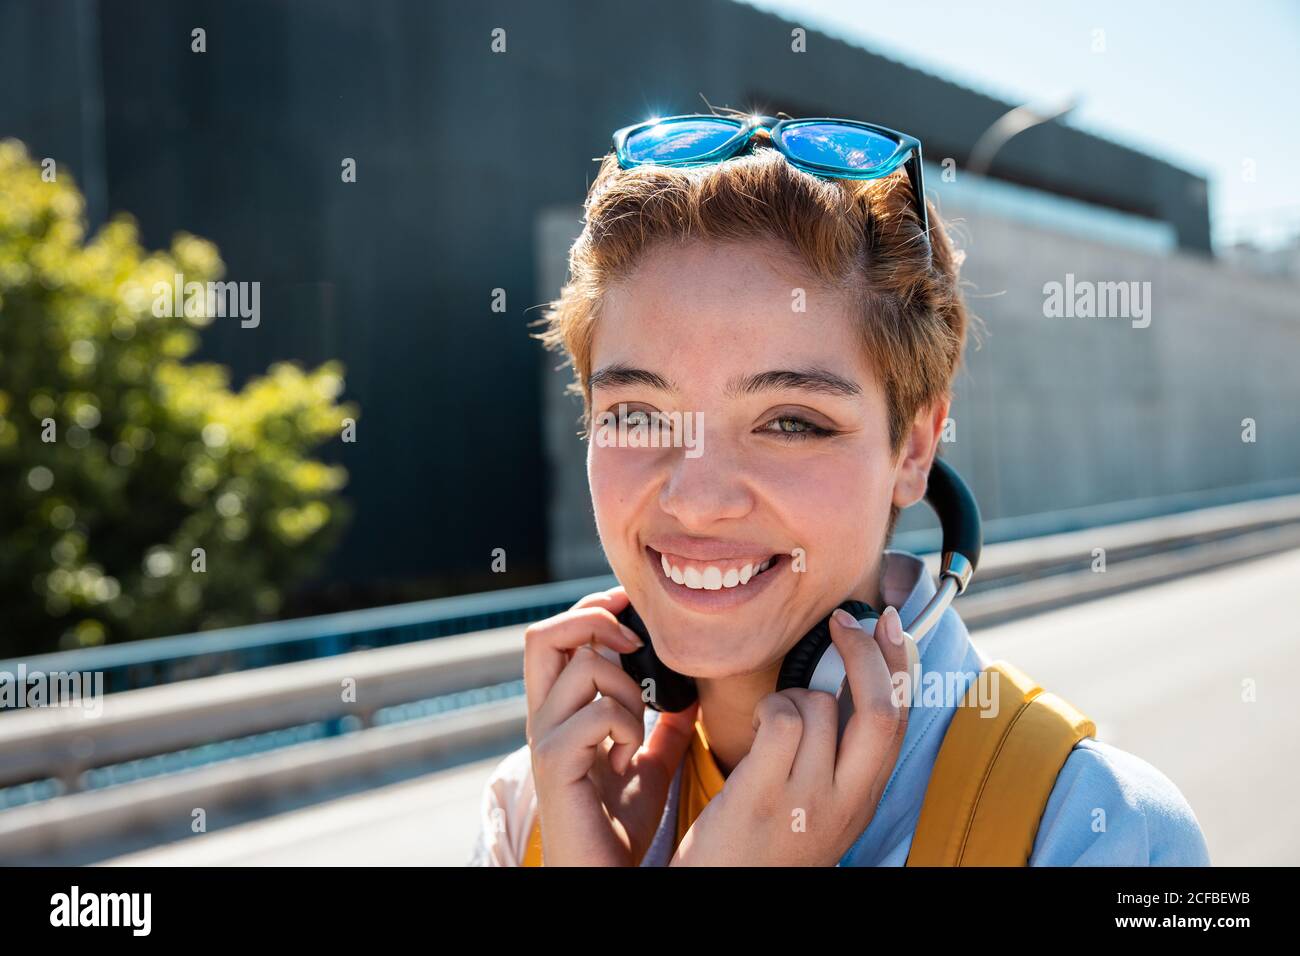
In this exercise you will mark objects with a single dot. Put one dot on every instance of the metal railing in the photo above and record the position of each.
(440, 698)
(150, 663)
(166, 660)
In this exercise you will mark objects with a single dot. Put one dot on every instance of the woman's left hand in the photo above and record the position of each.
(793, 800)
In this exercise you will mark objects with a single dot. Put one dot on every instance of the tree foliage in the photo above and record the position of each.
(139, 494)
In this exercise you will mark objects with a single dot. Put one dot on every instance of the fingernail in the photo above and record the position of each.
(846, 619)
(895, 626)
(631, 636)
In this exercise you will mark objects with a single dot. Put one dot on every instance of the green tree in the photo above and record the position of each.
(119, 460)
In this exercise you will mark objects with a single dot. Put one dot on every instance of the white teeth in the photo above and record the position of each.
(711, 577)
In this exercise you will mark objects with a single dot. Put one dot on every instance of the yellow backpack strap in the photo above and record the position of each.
(533, 852)
(994, 774)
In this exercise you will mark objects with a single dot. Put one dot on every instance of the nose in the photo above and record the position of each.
(702, 491)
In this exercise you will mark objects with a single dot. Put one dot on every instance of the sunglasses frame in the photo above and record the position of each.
(907, 152)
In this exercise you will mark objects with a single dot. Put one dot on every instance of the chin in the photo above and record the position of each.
(708, 649)
(709, 634)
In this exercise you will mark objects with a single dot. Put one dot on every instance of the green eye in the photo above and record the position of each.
(791, 428)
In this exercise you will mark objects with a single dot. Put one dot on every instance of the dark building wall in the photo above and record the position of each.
(392, 274)
(457, 150)
(50, 94)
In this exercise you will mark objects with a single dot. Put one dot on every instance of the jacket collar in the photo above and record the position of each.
(947, 657)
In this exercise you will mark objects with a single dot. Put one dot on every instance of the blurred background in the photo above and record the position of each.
(370, 478)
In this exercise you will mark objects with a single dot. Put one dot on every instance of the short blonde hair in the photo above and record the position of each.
(859, 236)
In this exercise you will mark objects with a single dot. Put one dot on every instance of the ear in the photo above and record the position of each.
(920, 445)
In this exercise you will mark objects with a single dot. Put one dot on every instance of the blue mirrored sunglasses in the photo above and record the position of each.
(830, 148)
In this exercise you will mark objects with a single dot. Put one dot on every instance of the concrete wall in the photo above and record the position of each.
(1069, 412)
(1055, 414)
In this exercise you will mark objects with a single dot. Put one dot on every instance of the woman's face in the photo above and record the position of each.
(778, 510)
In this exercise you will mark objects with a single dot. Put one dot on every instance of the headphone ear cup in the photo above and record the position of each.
(800, 663)
(668, 690)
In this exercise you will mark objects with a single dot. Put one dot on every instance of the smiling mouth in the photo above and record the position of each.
(713, 575)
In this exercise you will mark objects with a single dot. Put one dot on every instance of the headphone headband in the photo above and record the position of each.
(959, 516)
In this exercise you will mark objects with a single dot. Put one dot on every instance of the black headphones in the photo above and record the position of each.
(814, 662)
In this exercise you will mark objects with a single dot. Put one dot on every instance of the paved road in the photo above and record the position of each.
(1161, 670)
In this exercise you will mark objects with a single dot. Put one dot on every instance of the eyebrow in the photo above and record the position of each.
(620, 375)
(807, 379)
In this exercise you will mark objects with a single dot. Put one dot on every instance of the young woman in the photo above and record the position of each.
(785, 287)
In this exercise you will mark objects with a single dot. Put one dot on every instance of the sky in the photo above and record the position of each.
(1210, 87)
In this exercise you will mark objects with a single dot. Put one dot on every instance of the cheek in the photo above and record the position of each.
(605, 482)
(840, 507)
(618, 479)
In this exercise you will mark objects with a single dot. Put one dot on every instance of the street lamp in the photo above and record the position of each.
(1011, 124)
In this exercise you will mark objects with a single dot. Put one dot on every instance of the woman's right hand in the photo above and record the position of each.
(600, 793)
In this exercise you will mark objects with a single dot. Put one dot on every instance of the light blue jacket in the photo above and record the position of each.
(1143, 820)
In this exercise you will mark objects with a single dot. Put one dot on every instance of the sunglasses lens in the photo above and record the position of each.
(838, 146)
(678, 141)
